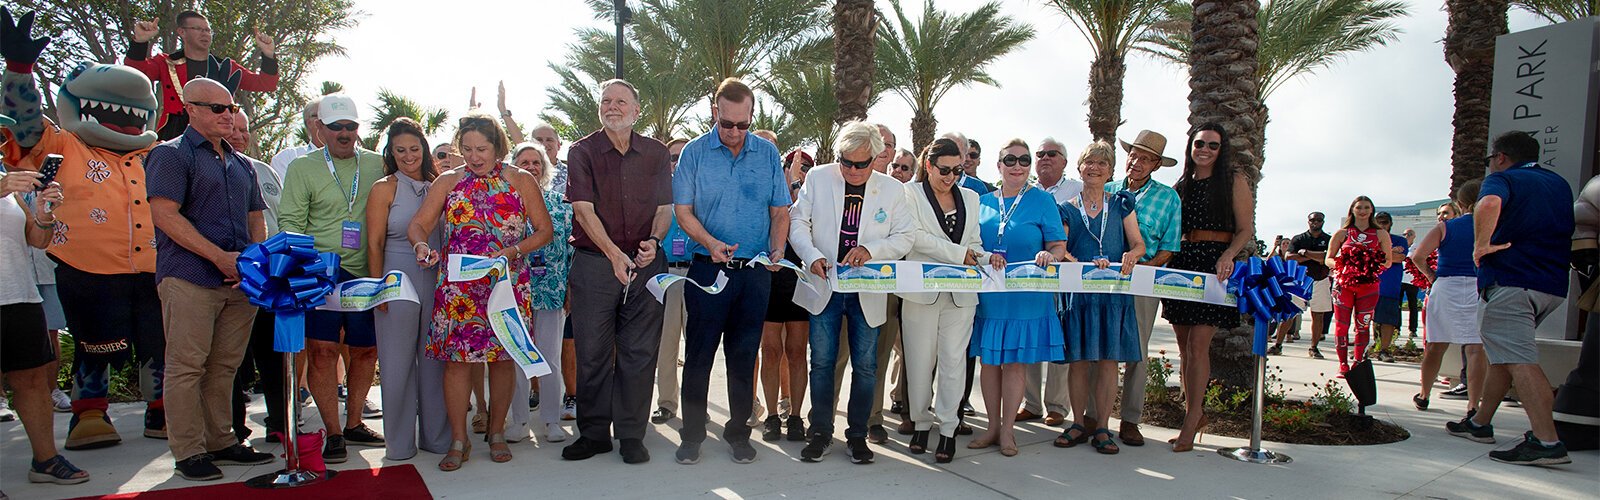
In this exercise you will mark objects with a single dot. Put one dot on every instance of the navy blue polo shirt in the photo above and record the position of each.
(215, 192)
(731, 195)
(1389, 280)
(1536, 219)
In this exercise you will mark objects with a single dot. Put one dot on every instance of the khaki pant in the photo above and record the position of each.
(673, 320)
(207, 330)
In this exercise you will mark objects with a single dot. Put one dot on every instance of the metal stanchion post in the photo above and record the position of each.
(291, 475)
(1255, 454)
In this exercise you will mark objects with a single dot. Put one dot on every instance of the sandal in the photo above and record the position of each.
(56, 470)
(919, 442)
(460, 452)
(503, 454)
(1067, 440)
(1104, 446)
(947, 450)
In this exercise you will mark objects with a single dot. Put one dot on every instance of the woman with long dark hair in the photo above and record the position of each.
(1218, 221)
(1357, 255)
(413, 391)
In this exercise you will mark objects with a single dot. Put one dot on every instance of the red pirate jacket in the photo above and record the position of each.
(172, 71)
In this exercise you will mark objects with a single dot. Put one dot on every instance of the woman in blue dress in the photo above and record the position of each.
(1019, 223)
(1100, 328)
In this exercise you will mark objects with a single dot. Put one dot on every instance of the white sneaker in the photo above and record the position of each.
(554, 433)
(62, 403)
(516, 433)
(370, 409)
(6, 415)
(757, 413)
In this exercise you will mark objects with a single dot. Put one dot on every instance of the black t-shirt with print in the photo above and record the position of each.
(850, 222)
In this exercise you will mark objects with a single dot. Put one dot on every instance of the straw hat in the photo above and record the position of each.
(1150, 142)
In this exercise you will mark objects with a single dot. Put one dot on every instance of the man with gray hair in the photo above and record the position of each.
(621, 194)
(889, 333)
(308, 118)
(847, 215)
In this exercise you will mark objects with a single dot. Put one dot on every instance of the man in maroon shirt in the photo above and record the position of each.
(620, 186)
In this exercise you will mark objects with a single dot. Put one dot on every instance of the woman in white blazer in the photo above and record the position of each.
(937, 325)
(846, 214)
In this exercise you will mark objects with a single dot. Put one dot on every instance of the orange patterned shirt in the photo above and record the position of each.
(104, 224)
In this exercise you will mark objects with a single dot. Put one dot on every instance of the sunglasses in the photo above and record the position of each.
(1048, 153)
(441, 155)
(943, 170)
(1211, 145)
(899, 166)
(1014, 160)
(217, 108)
(1319, 219)
(806, 167)
(337, 127)
(672, 158)
(972, 155)
(858, 165)
(731, 125)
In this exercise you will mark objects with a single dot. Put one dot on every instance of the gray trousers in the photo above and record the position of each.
(617, 334)
(547, 328)
(674, 317)
(1051, 378)
(413, 384)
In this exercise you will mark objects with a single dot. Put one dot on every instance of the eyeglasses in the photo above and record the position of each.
(943, 170)
(806, 167)
(1315, 219)
(1014, 160)
(973, 155)
(441, 155)
(900, 166)
(858, 165)
(1211, 145)
(217, 108)
(731, 125)
(338, 127)
(1048, 153)
(672, 158)
(1490, 158)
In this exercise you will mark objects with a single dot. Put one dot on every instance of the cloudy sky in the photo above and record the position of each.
(1376, 124)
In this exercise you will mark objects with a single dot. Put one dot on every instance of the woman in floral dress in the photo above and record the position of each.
(484, 215)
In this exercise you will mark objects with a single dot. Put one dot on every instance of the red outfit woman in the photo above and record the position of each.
(1355, 290)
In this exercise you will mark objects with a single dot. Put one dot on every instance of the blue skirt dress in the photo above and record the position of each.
(1099, 326)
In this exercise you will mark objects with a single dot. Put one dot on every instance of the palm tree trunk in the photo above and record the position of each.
(855, 32)
(1105, 95)
(923, 126)
(1223, 89)
(1469, 49)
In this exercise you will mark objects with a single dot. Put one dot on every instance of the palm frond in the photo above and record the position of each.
(1559, 11)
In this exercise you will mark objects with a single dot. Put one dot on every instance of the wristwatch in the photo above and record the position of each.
(655, 239)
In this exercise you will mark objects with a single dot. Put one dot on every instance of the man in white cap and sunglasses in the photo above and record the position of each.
(1160, 215)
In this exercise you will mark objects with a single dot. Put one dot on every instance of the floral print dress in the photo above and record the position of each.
(482, 214)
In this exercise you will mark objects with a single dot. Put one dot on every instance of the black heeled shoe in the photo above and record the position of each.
(946, 451)
(919, 442)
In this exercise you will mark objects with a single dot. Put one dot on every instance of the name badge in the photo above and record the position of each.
(536, 263)
(351, 235)
(680, 246)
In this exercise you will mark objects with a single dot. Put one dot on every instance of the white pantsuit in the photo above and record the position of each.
(935, 327)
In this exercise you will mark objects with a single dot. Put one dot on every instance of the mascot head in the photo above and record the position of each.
(109, 106)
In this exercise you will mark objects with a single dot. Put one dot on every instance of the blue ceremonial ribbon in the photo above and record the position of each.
(287, 276)
(1265, 290)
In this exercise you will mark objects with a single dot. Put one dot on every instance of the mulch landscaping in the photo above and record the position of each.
(1337, 429)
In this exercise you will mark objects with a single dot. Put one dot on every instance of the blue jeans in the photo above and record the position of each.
(863, 365)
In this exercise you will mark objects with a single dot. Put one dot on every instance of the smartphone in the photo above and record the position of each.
(47, 171)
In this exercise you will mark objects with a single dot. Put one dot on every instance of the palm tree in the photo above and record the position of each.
(666, 94)
(922, 62)
(392, 106)
(1297, 37)
(721, 39)
(1469, 49)
(855, 27)
(1111, 27)
(1559, 11)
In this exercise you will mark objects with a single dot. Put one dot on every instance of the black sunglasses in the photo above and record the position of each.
(973, 155)
(943, 170)
(441, 155)
(858, 165)
(336, 127)
(1048, 153)
(672, 158)
(731, 125)
(217, 108)
(899, 166)
(1211, 145)
(1014, 160)
(806, 167)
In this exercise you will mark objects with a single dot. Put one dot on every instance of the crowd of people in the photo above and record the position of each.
(582, 236)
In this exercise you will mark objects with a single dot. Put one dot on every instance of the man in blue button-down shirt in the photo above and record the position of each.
(207, 207)
(726, 181)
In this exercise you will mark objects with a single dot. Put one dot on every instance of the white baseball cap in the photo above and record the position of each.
(337, 107)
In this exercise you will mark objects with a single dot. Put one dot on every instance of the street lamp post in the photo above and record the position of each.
(623, 15)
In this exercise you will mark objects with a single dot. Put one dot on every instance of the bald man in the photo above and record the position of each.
(207, 207)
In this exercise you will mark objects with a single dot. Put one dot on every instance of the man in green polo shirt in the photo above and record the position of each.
(325, 196)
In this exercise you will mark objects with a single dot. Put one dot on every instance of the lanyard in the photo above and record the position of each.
(1005, 213)
(1099, 239)
(349, 201)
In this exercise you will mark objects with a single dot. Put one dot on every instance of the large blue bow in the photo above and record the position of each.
(287, 276)
(1265, 290)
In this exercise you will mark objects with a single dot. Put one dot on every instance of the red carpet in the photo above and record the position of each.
(389, 483)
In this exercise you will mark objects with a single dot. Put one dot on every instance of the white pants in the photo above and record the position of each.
(673, 319)
(547, 327)
(935, 338)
